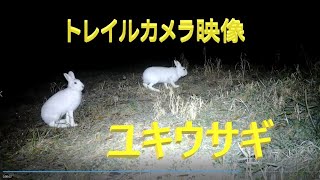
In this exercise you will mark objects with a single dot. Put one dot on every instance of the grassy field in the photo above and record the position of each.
(240, 93)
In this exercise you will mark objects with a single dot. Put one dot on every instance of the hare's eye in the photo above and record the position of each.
(75, 82)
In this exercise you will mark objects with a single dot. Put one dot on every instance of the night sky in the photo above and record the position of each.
(36, 48)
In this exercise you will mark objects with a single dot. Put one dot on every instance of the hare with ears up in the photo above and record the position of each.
(165, 75)
(64, 102)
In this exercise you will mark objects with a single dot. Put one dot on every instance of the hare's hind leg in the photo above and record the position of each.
(174, 85)
(149, 86)
(166, 85)
(61, 123)
(152, 88)
(145, 85)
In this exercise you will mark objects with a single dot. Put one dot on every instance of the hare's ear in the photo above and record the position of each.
(71, 74)
(177, 63)
(67, 76)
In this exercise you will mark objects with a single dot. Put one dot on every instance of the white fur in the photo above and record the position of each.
(165, 75)
(64, 102)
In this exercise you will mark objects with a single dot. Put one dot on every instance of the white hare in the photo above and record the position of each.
(165, 75)
(64, 102)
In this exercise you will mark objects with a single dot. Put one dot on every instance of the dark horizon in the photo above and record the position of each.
(42, 53)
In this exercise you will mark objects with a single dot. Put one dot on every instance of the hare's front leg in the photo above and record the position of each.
(71, 120)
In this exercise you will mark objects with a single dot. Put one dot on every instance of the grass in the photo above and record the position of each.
(215, 92)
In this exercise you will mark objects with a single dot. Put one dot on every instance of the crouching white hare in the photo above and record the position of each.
(165, 75)
(64, 102)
